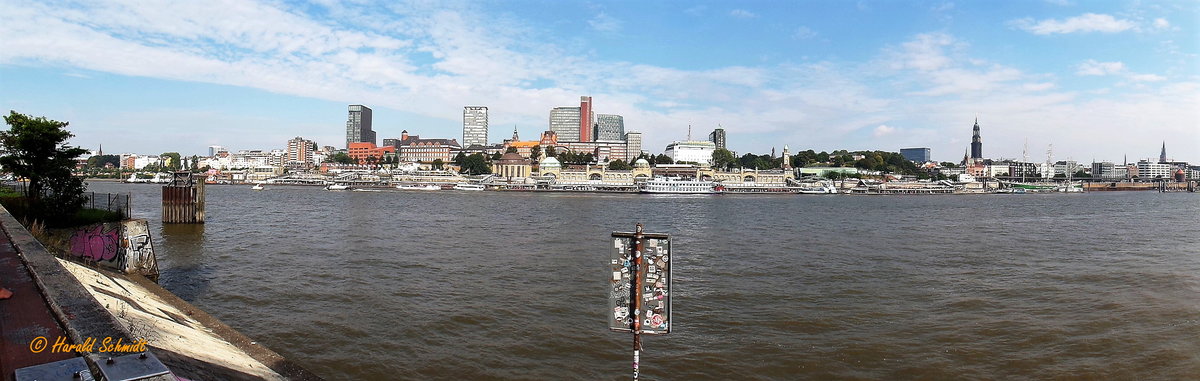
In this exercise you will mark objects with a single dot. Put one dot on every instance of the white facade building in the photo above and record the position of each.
(1148, 170)
(475, 126)
(692, 151)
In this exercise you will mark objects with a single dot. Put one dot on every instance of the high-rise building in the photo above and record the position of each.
(976, 142)
(358, 126)
(212, 150)
(564, 121)
(586, 119)
(609, 127)
(475, 126)
(718, 137)
(300, 151)
(633, 145)
(916, 155)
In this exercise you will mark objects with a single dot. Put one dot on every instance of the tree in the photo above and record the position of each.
(438, 163)
(663, 159)
(476, 164)
(171, 160)
(619, 165)
(511, 149)
(458, 159)
(36, 149)
(341, 158)
(496, 156)
(723, 158)
(101, 160)
(551, 152)
(535, 153)
(946, 164)
(1081, 174)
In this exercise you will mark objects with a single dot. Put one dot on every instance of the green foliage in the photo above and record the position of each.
(946, 164)
(511, 149)
(753, 161)
(576, 158)
(496, 156)
(475, 164)
(619, 165)
(171, 161)
(1081, 174)
(662, 159)
(551, 151)
(804, 158)
(723, 159)
(458, 159)
(36, 149)
(340, 158)
(100, 161)
(438, 164)
(535, 153)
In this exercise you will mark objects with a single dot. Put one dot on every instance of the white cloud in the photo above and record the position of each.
(1147, 77)
(803, 33)
(605, 23)
(883, 130)
(428, 60)
(1161, 23)
(1093, 67)
(1088, 22)
(742, 14)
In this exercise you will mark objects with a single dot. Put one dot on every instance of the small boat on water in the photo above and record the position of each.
(418, 187)
(258, 187)
(337, 187)
(468, 187)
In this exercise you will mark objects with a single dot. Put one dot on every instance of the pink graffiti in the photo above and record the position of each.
(95, 243)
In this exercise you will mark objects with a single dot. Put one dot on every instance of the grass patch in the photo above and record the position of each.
(19, 206)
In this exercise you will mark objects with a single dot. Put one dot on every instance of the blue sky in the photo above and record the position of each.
(1097, 80)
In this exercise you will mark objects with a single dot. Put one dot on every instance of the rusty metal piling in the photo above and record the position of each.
(183, 200)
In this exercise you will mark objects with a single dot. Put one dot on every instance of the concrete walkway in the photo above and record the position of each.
(23, 317)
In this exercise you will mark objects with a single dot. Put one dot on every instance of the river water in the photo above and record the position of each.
(490, 285)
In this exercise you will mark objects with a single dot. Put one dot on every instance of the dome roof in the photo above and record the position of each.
(641, 163)
(550, 162)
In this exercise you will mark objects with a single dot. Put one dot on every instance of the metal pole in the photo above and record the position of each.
(635, 298)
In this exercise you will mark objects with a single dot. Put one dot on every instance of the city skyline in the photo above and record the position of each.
(1098, 81)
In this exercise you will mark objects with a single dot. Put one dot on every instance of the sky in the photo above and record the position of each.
(1091, 80)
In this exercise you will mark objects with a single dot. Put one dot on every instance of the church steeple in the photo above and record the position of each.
(976, 142)
(515, 134)
(1162, 157)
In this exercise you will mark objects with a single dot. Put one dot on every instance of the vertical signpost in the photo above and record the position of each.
(639, 287)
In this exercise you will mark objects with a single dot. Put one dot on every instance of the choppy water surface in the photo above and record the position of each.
(487, 285)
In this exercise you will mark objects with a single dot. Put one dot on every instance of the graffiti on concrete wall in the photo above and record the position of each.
(97, 243)
(125, 246)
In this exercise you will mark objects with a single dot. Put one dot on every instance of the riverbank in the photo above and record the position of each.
(92, 305)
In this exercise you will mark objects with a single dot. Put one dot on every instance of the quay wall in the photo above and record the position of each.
(83, 316)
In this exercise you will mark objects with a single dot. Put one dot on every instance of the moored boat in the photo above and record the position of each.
(680, 186)
(417, 187)
(468, 187)
(336, 187)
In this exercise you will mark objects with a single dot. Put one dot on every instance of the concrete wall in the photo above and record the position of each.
(124, 246)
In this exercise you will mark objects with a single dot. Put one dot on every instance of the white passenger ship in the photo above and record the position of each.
(676, 185)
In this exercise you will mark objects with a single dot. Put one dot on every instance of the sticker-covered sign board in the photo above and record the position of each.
(653, 279)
